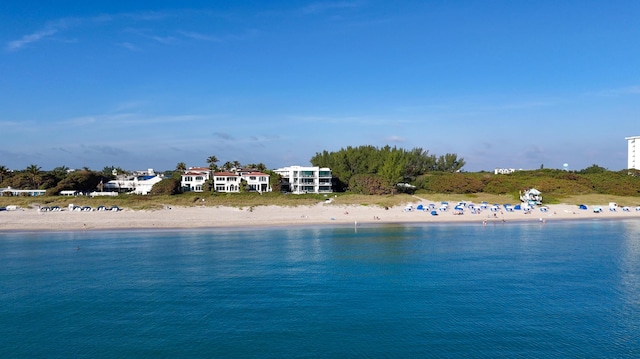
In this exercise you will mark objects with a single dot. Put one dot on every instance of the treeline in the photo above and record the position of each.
(56, 180)
(373, 170)
(86, 180)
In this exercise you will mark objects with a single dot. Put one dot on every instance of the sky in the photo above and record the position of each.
(150, 84)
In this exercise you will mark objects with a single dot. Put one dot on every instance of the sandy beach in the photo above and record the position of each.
(31, 219)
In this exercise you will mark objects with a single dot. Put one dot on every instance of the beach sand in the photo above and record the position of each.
(31, 219)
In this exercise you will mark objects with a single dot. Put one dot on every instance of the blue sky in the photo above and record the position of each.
(148, 84)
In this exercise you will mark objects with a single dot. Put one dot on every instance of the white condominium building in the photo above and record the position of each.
(306, 179)
(634, 152)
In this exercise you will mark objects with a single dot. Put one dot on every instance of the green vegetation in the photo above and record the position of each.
(384, 166)
(241, 200)
(364, 176)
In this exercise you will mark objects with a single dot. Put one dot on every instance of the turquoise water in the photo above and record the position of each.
(561, 289)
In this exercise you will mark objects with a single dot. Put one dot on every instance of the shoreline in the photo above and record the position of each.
(220, 217)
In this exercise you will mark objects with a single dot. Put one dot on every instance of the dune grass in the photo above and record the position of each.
(242, 200)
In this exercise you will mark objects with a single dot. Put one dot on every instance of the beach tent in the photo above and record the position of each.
(434, 213)
(582, 206)
(532, 196)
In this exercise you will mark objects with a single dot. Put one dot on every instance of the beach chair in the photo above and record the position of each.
(544, 209)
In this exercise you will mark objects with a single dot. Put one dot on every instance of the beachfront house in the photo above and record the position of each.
(21, 192)
(194, 179)
(228, 182)
(298, 179)
(139, 182)
(503, 171)
(256, 181)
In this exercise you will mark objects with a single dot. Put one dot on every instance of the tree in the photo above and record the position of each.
(181, 167)
(168, 186)
(393, 167)
(59, 173)
(81, 181)
(449, 163)
(370, 184)
(33, 171)
(108, 171)
(260, 167)
(212, 160)
(275, 180)
(4, 171)
(593, 169)
(227, 166)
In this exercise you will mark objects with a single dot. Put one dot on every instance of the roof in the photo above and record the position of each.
(225, 174)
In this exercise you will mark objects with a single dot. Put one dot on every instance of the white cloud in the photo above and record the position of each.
(629, 90)
(396, 139)
(30, 38)
(200, 36)
(129, 46)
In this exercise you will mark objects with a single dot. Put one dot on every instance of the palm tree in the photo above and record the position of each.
(181, 166)
(3, 172)
(212, 160)
(33, 171)
(237, 165)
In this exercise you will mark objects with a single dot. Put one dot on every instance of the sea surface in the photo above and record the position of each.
(515, 290)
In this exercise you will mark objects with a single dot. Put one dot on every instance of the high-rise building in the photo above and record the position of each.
(634, 152)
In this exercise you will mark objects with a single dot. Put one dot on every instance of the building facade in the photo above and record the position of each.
(301, 180)
(139, 183)
(256, 181)
(194, 178)
(634, 152)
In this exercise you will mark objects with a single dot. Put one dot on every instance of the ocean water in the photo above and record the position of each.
(528, 290)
